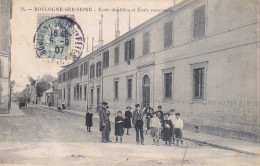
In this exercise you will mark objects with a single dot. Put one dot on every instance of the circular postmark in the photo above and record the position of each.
(60, 39)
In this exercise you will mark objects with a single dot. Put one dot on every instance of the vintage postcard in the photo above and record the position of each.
(129, 83)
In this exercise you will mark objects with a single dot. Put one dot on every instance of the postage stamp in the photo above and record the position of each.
(59, 38)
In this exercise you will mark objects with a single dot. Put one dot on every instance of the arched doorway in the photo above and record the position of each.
(146, 90)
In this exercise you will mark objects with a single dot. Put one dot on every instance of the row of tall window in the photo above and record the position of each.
(199, 23)
(197, 89)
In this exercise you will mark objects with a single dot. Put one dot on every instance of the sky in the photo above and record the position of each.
(24, 24)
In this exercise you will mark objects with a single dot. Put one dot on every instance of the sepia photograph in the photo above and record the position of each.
(129, 82)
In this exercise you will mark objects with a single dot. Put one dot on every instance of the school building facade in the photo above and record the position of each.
(199, 58)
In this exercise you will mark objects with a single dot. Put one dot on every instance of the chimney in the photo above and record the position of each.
(100, 41)
(129, 27)
(117, 25)
(92, 44)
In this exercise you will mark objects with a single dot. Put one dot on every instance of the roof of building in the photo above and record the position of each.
(150, 21)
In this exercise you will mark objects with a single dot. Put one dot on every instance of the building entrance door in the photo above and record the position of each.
(146, 90)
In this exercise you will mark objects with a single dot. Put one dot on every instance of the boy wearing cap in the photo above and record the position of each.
(178, 127)
(138, 122)
(173, 119)
(155, 125)
(167, 129)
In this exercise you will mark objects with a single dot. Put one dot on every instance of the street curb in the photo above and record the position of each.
(185, 138)
(221, 147)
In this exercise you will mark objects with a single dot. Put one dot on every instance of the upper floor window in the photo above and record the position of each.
(59, 78)
(168, 34)
(106, 59)
(98, 70)
(116, 55)
(64, 77)
(81, 70)
(199, 19)
(92, 71)
(130, 49)
(85, 68)
(146, 43)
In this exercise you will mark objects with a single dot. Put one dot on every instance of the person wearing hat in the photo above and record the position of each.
(167, 129)
(178, 127)
(89, 116)
(104, 122)
(160, 116)
(128, 116)
(173, 119)
(138, 122)
(148, 115)
(155, 125)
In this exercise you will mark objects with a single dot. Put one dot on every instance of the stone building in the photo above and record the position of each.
(199, 58)
(5, 55)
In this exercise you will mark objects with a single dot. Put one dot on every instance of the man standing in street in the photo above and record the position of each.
(138, 122)
(104, 122)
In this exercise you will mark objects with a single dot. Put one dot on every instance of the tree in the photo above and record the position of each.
(31, 80)
(41, 87)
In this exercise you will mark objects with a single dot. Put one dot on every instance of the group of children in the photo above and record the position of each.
(166, 126)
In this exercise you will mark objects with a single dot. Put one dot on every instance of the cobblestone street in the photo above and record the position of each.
(59, 138)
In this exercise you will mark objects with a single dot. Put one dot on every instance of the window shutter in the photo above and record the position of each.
(167, 34)
(132, 51)
(107, 65)
(97, 70)
(126, 50)
(199, 22)
(146, 43)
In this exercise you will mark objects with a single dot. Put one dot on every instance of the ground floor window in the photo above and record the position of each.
(98, 96)
(198, 76)
(116, 89)
(85, 92)
(76, 92)
(168, 85)
(92, 96)
(80, 92)
(129, 88)
(64, 94)
(59, 93)
(198, 83)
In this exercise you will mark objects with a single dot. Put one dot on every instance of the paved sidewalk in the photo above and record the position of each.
(241, 146)
(14, 111)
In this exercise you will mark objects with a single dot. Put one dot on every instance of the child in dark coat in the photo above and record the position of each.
(167, 129)
(119, 126)
(128, 116)
(89, 123)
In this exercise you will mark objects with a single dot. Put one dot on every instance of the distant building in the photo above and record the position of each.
(5, 55)
(199, 58)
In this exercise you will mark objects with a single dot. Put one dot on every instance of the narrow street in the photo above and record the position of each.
(59, 138)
